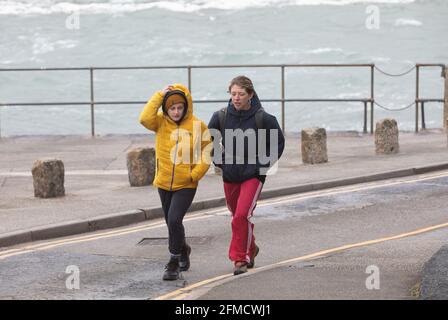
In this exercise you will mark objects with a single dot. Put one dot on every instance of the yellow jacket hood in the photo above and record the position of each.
(180, 158)
(183, 91)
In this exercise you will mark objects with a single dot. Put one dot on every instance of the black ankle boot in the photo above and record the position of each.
(184, 262)
(172, 269)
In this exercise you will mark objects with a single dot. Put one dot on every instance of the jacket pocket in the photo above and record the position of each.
(182, 174)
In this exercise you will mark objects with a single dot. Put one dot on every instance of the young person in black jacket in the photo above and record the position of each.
(248, 141)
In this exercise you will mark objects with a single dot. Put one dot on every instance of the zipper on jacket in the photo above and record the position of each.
(174, 162)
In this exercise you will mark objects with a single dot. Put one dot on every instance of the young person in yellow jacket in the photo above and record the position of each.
(181, 142)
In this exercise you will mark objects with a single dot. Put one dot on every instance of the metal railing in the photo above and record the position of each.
(417, 92)
(283, 100)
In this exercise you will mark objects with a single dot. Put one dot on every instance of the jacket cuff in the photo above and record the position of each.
(194, 177)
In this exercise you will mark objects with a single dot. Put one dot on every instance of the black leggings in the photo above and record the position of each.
(175, 204)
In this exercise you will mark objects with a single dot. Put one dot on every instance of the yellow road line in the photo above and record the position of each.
(50, 245)
(184, 292)
(203, 215)
(346, 189)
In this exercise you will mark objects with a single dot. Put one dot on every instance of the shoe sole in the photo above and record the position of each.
(240, 270)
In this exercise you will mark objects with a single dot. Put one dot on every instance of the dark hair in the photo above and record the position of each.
(243, 82)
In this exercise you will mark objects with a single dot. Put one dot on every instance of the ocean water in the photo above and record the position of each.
(63, 33)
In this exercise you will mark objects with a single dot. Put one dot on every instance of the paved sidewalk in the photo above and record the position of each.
(98, 194)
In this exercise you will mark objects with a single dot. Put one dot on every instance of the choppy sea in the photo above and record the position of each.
(395, 35)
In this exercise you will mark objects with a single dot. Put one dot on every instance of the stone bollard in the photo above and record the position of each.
(314, 146)
(141, 163)
(386, 137)
(48, 178)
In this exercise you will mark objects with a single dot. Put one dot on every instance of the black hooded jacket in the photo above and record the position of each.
(236, 165)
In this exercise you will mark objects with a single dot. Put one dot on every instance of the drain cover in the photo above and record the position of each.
(164, 241)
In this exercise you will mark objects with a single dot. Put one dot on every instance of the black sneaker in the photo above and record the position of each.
(172, 269)
(184, 262)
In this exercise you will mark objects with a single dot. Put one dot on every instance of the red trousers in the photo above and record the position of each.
(241, 200)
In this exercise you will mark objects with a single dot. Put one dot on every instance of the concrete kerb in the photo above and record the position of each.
(13, 238)
(436, 167)
(122, 219)
(59, 230)
(153, 213)
(117, 220)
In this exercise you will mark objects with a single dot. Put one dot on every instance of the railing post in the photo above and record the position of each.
(372, 95)
(445, 103)
(92, 104)
(417, 84)
(423, 115)
(189, 78)
(365, 117)
(283, 99)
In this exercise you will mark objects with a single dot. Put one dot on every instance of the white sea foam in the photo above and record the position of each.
(43, 45)
(284, 52)
(349, 95)
(33, 7)
(408, 22)
(381, 59)
(323, 50)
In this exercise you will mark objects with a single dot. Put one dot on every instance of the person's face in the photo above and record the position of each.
(240, 98)
(176, 111)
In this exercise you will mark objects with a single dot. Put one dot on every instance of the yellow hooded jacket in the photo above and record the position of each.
(182, 150)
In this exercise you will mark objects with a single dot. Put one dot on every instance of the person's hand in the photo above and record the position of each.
(166, 89)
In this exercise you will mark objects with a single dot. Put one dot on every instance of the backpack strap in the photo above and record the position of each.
(259, 117)
(222, 118)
